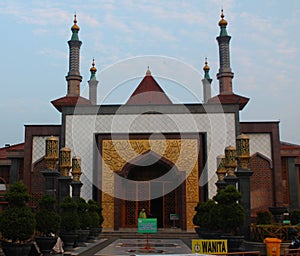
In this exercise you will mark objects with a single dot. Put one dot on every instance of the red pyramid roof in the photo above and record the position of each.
(69, 101)
(148, 92)
(230, 99)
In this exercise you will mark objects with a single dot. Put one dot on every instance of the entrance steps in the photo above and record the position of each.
(165, 233)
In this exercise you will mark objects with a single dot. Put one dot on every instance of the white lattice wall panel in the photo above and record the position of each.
(261, 143)
(80, 130)
(38, 147)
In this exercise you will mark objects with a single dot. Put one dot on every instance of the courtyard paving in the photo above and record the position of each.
(129, 247)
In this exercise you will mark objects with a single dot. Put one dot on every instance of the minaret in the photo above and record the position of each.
(74, 78)
(206, 81)
(93, 84)
(225, 75)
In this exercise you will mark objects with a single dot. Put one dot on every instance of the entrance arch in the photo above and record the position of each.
(147, 182)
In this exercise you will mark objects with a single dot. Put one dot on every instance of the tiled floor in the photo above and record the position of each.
(140, 247)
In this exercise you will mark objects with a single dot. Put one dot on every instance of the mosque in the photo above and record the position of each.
(152, 153)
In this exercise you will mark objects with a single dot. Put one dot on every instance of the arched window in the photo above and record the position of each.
(2, 184)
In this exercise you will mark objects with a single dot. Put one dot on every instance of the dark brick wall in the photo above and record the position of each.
(30, 179)
(285, 181)
(38, 184)
(261, 185)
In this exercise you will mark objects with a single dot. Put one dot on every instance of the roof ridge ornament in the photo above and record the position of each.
(148, 72)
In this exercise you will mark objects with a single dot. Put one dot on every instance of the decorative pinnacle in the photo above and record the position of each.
(222, 22)
(93, 70)
(75, 26)
(206, 70)
(148, 73)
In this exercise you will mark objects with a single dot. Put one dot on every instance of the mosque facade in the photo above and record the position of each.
(150, 153)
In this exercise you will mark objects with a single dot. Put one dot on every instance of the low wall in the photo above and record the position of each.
(259, 246)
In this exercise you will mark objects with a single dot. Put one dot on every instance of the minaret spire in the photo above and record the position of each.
(93, 84)
(74, 78)
(206, 81)
(225, 75)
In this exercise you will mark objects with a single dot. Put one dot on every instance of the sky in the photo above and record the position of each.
(177, 34)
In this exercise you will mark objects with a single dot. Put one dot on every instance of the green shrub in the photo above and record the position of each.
(295, 217)
(17, 222)
(223, 213)
(94, 216)
(69, 215)
(263, 218)
(228, 214)
(202, 218)
(84, 217)
(47, 218)
(101, 218)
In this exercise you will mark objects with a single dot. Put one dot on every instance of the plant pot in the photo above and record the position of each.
(98, 232)
(45, 243)
(233, 242)
(93, 234)
(82, 236)
(69, 239)
(13, 249)
(207, 234)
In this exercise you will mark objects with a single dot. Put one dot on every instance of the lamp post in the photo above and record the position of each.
(64, 180)
(230, 165)
(50, 173)
(76, 173)
(221, 172)
(244, 174)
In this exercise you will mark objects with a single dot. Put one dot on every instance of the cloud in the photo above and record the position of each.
(53, 53)
(114, 22)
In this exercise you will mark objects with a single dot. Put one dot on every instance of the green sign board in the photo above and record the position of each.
(147, 225)
(174, 216)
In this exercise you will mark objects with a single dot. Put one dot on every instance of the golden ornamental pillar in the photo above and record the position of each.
(76, 168)
(51, 154)
(243, 151)
(65, 161)
(221, 170)
(230, 161)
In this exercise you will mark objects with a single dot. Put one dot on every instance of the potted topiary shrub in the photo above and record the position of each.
(94, 217)
(84, 221)
(263, 218)
(69, 222)
(295, 217)
(223, 216)
(47, 224)
(229, 215)
(203, 219)
(101, 218)
(17, 222)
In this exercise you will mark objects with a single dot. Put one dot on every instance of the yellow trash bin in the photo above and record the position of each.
(272, 246)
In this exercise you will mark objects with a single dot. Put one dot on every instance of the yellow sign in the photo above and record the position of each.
(209, 246)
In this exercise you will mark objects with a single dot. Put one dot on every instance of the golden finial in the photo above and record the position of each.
(75, 27)
(222, 22)
(93, 68)
(206, 67)
(148, 73)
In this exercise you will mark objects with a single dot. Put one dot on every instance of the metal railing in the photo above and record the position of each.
(260, 232)
(257, 253)
(292, 252)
